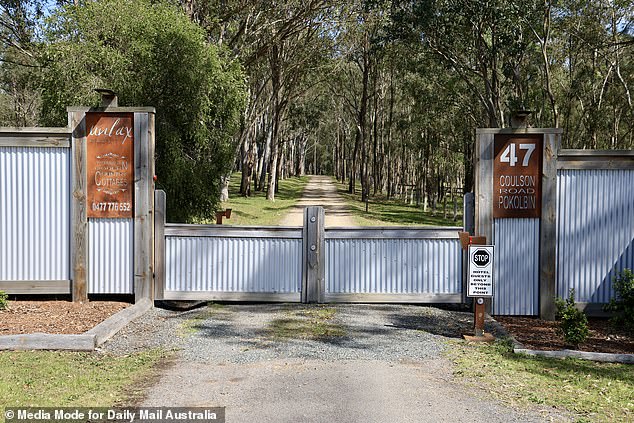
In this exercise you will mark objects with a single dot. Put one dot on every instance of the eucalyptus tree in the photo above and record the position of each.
(358, 51)
(19, 95)
(485, 43)
(595, 47)
(197, 92)
(277, 45)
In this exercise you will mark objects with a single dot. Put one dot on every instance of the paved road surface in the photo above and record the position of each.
(321, 191)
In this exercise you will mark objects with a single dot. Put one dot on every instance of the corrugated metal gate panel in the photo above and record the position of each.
(246, 265)
(34, 213)
(516, 289)
(393, 266)
(595, 233)
(111, 256)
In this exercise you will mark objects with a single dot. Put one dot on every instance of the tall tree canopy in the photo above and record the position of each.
(383, 94)
(151, 54)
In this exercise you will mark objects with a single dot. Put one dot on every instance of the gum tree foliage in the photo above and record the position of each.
(279, 44)
(151, 54)
(19, 95)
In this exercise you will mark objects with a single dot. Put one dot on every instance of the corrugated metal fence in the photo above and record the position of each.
(595, 240)
(35, 221)
(595, 231)
(111, 256)
(231, 263)
(34, 214)
(208, 262)
(516, 290)
(35, 180)
(393, 264)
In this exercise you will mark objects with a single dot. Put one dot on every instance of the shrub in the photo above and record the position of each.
(573, 323)
(4, 300)
(151, 54)
(623, 304)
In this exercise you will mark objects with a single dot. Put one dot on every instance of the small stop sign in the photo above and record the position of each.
(481, 258)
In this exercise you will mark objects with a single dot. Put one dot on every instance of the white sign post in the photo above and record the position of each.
(480, 281)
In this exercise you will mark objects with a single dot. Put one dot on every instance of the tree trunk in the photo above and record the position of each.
(301, 162)
(266, 157)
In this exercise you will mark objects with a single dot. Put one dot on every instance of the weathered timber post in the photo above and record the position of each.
(79, 219)
(548, 232)
(112, 198)
(160, 206)
(313, 265)
(468, 215)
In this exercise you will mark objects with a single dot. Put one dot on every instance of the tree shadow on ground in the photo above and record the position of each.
(342, 325)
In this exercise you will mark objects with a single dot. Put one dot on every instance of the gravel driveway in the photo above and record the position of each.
(299, 363)
(320, 191)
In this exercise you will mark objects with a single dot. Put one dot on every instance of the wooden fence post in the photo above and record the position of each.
(144, 206)
(313, 265)
(548, 232)
(468, 219)
(160, 204)
(79, 216)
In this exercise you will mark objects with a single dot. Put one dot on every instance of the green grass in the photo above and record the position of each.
(394, 212)
(193, 324)
(70, 379)
(314, 323)
(257, 210)
(601, 392)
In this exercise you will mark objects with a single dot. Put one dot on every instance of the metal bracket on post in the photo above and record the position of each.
(313, 266)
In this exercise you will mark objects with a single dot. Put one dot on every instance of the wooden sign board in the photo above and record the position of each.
(517, 176)
(110, 167)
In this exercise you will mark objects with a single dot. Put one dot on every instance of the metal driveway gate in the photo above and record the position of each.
(409, 265)
(308, 264)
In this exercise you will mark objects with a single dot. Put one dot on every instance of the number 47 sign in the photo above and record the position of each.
(517, 176)
(509, 156)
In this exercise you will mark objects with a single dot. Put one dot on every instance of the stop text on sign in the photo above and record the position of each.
(481, 258)
(517, 169)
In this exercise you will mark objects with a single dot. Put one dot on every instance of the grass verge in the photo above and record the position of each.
(70, 379)
(591, 391)
(313, 323)
(257, 210)
(394, 212)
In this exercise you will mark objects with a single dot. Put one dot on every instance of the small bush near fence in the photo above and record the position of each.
(623, 304)
(4, 300)
(573, 323)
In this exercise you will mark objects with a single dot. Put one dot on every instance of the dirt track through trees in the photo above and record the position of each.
(321, 191)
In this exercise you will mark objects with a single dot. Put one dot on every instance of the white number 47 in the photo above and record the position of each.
(509, 156)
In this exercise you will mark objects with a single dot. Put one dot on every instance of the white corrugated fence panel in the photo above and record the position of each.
(595, 231)
(233, 264)
(34, 213)
(111, 256)
(393, 266)
(516, 267)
